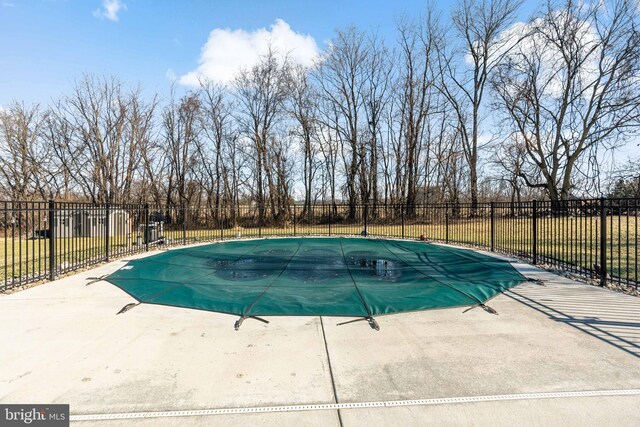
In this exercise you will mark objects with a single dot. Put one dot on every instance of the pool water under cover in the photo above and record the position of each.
(356, 277)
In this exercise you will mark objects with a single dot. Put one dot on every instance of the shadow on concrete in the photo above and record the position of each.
(609, 316)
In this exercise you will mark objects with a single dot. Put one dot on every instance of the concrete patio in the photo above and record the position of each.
(64, 343)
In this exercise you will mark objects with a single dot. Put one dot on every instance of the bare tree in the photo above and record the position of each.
(465, 73)
(329, 147)
(181, 131)
(261, 93)
(213, 148)
(342, 84)
(416, 93)
(625, 180)
(96, 132)
(510, 159)
(303, 108)
(279, 156)
(139, 139)
(370, 122)
(378, 83)
(23, 156)
(152, 176)
(571, 88)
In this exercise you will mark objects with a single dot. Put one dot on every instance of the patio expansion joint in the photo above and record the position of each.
(354, 405)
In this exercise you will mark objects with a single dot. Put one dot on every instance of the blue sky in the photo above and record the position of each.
(48, 43)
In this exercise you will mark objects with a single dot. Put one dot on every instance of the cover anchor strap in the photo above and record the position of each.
(372, 322)
(96, 279)
(128, 307)
(238, 323)
(536, 281)
(484, 307)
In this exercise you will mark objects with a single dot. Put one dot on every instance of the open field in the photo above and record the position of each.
(574, 241)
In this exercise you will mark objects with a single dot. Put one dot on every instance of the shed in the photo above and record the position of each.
(90, 222)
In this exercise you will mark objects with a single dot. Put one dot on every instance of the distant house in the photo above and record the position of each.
(90, 222)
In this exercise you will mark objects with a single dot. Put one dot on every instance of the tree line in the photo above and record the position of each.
(466, 107)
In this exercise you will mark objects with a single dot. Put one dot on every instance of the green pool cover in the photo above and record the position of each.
(358, 277)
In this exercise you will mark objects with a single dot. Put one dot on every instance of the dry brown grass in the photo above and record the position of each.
(571, 240)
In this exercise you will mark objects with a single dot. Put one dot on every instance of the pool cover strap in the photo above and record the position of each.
(369, 318)
(238, 323)
(372, 322)
(245, 315)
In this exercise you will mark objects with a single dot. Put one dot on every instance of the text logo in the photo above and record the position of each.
(34, 415)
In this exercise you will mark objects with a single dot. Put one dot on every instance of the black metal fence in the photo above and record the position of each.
(595, 238)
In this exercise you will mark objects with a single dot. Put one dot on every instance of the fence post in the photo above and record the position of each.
(259, 219)
(106, 232)
(294, 220)
(184, 224)
(446, 222)
(222, 218)
(52, 240)
(603, 242)
(402, 219)
(330, 217)
(366, 211)
(534, 237)
(146, 227)
(493, 227)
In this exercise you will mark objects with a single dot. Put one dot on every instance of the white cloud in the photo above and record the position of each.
(228, 51)
(110, 10)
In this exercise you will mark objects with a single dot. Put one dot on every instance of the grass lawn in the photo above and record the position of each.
(571, 240)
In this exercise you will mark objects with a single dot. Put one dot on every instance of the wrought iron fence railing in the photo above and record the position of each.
(595, 238)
